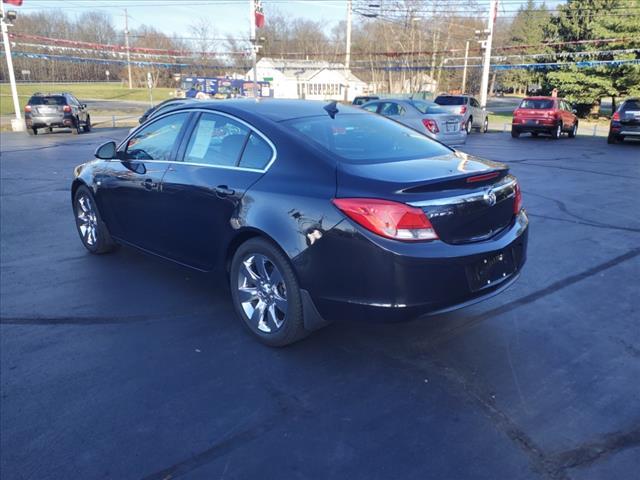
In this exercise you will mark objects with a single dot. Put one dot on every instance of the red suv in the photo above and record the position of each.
(548, 115)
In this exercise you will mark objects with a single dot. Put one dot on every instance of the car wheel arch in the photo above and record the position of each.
(243, 236)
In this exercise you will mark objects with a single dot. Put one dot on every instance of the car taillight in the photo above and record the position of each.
(517, 201)
(516, 113)
(388, 219)
(67, 108)
(430, 125)
(27, 108)
(463, 110)
(616, 117)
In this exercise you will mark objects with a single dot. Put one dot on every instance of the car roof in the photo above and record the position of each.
(542, 97)
(276, 110)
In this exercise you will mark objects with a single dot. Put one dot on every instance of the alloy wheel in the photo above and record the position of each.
(262, 292)
(559, 131)
(87, 220)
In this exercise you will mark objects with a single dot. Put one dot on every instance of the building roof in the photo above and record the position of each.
(305, 70)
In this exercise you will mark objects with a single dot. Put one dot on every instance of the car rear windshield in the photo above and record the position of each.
(426, 107)
(536, 104)
(52, 100)
(447, 100)
(367, 138)
(631, 105)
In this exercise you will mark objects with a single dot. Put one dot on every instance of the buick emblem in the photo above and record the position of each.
(490, 198)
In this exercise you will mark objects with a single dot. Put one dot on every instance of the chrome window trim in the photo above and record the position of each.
(508, 181)
(252, 129)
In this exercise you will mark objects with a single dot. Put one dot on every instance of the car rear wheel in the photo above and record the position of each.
(515, 133)
(32, 131)
(87, 125)
(75, 128)
(92, 230)
(574, 131)
(469, 125)
(485, 125)
(557, 132)
(266, 294)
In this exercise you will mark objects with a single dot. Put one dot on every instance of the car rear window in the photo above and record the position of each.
(630, 105)
(447, 100)
(536, 104)
(426, 107)
(53, 100)
(362, 139)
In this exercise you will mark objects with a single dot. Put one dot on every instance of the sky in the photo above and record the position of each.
(229, 17)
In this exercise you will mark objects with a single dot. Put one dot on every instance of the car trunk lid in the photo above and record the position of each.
(467, 199)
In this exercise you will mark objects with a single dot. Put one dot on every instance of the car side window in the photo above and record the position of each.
(390, 108)
(156, 141)
(257, 153)
(474, 103)
(372, 107)
(216, 140)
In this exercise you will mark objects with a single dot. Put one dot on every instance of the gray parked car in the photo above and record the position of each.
(56, 110)
(467, 106)
(426, 117)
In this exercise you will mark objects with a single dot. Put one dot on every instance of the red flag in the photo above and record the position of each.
(17, 3)
(259, 13)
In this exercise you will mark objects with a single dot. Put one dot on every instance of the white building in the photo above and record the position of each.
(309, 79)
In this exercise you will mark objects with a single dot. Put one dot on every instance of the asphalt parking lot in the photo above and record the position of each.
(125, 366)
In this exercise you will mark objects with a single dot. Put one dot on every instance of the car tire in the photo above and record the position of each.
(87, 126)
(574, 130)
(515, 133)
(266, 294)
(469, 125)
(485, 125)
(92, 230)
(534, 134)
(612, 138)
(557, 132)
(75, 128)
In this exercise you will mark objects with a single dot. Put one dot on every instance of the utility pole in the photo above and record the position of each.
(16, 124)
(126, 43)
(347, 57)
(493, 11)
(464, 70)
(254, 46)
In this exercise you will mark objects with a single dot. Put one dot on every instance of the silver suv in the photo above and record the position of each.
(56, 110)
(474, 116)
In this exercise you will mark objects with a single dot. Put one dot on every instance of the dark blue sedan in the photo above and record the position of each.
(315, 212)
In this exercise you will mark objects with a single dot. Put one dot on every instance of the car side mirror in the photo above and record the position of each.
(574, 111)
(106, 151)
(84, 105)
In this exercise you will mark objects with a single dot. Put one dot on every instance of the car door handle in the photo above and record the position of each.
(149, 184)
(224, 191)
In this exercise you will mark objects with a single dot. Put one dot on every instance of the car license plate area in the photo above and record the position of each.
(451, 127)
(532, 122)
(491, 270)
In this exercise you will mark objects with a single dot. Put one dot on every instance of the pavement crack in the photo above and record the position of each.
(592, 452)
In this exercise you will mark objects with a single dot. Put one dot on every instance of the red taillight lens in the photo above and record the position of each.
(430, 125)
(388, 219)
(616, 117)
(27, 108)
(517, 201)
(67, 108)
(463, 110)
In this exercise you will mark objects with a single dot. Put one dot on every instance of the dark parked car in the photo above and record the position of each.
(56, 110)
(625, 122)
(548, 115)
(163, 107)
(315, 212)
(361, 100)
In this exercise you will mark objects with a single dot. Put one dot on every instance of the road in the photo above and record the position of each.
(125, 366)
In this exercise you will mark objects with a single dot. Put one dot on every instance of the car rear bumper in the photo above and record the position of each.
(457, 138)
(355, 275)
(43, 121)
(534, 127)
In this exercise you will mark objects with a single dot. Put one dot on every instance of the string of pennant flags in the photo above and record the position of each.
(391, 68)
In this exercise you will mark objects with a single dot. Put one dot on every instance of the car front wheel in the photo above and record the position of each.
(557, 132)
(265, 293)
(87, 125)
(485, 125)
(574, 130)
(92, 230)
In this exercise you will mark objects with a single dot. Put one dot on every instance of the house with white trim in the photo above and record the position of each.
(308, 79)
